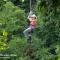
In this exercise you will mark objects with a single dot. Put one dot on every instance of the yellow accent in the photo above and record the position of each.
(4, 33)
(23, 0)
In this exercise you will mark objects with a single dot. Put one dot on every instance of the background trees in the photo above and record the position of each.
(46, 37)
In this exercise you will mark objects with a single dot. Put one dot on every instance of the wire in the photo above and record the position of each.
(30, 5)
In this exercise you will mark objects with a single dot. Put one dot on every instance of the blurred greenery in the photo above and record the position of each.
(45, 38)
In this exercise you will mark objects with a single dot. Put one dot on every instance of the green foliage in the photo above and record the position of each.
(46, 37)
(11, 18)
(49, 26)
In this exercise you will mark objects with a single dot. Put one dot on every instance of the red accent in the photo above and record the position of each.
(33, 23)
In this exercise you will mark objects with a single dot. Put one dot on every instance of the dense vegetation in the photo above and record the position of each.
(46, 37)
